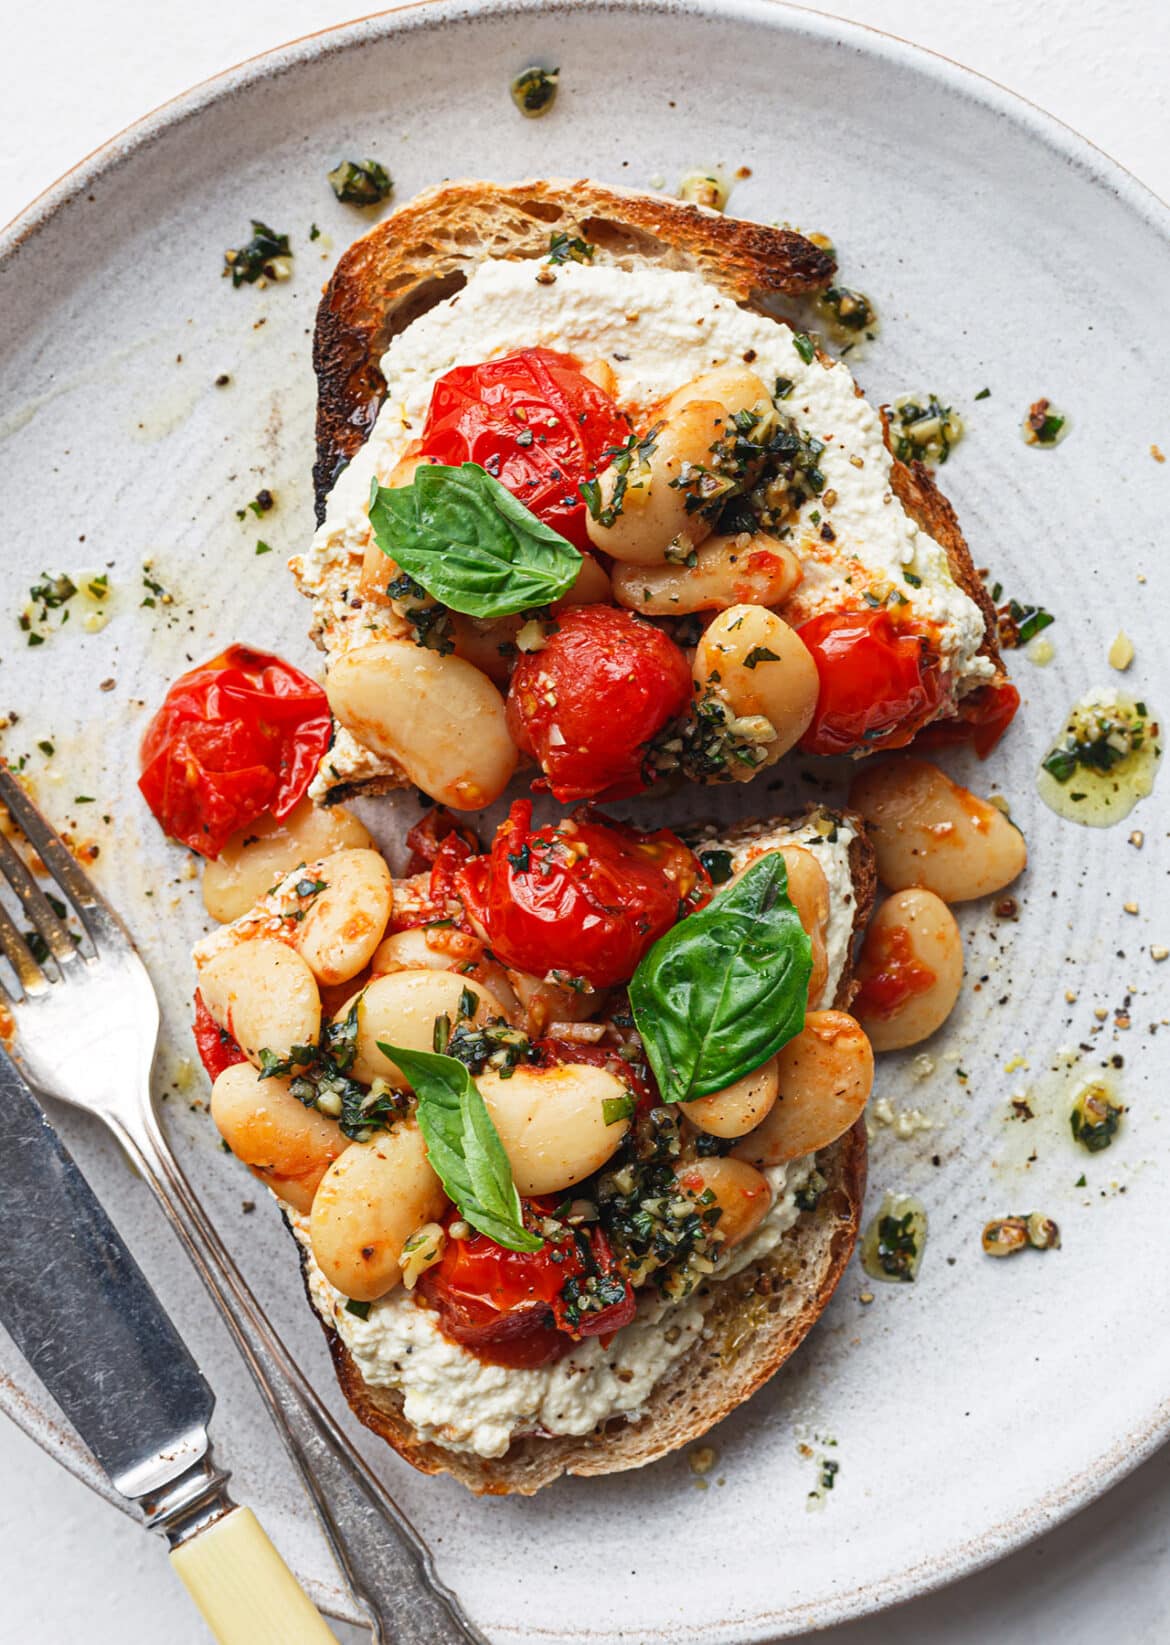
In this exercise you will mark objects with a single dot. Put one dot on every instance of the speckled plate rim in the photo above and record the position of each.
(42, 1422)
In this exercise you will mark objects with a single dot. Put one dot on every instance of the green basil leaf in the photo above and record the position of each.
(464, 1147)
(471, 544)
(725, 988)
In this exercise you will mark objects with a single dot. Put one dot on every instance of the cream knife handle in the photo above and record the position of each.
(387, 1563)
(247, 1594)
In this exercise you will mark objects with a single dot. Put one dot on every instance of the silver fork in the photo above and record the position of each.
(88, 1026)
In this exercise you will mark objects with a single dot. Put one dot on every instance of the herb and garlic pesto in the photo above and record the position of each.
(266, 256)
(1044, 425)
(534, 90)
(361, 182)
(1095, 1118)
(1104, 761)
(893, 1243)
(1009, 1235)
(923, 429)
(705, 188)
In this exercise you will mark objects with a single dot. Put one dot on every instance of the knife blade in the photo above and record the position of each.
(83, 1314)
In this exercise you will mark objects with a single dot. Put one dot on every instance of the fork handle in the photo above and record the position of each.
(388, 1564)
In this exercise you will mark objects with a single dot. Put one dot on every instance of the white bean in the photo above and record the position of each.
(602, 374)
(590, 587)
(738, 1190)
(257, 857)
(288, 1146)
(911, 970)
(344, 922)
(489, 645)
(264, 994)
(370, 1201)
(747, 568)
(654, 513)
(808, 891)
(929, 831)
(739, 1107)
(420, 948)
(443, 948)
(552, 1122)
(438, 716)
(763, 670)
(734, 387)
(402, 1008)
(824, 1076)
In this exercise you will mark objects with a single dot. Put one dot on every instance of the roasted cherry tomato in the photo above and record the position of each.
(216, 1047)
(511, 1308)
(237, 737)
(583, 897)
(535, 423)
(430, 833)
(891, 975)
(983, 717)
(878, 682)
(636, 1075)
(587, 704)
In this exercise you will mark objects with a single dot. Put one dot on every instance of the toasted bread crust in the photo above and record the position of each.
(779, 1299)
(424, 251)
(788, 1291)
(915, 488)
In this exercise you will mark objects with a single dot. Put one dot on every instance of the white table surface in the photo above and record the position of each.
(72, 1568)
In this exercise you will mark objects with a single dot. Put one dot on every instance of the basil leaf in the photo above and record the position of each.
(726, 987)
(470, 543)
(464, 1147)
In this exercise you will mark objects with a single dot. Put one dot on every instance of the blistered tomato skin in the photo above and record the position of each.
(585, 898)
(507, 1306)
(983, 717)
(217, 1049)
(879, 683)
(238, 736)
(535, 423)
(587, 704)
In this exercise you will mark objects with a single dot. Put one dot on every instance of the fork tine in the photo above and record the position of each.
(89, 905)
(37, 906)
(19, 956)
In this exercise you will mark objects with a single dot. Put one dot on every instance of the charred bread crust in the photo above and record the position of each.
(915, 488)
(863, 870)
(424, 251)
(783, 1295)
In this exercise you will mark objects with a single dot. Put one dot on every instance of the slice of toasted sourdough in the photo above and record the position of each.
(755, 1321)
(424, 253)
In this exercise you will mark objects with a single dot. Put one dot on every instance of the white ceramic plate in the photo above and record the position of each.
(973, 1410)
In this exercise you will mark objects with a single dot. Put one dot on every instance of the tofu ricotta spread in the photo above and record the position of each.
(456, 1400)
(656, 329)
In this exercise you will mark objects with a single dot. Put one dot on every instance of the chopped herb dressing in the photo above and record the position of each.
(1096, 1117)
(266, 256)
(892, 1245)
(705, 188)
(848, 315)
(534, 91)
(360, 183)
(1044, 425)
(1104, 761)
(1019, 623)
(924, 429)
